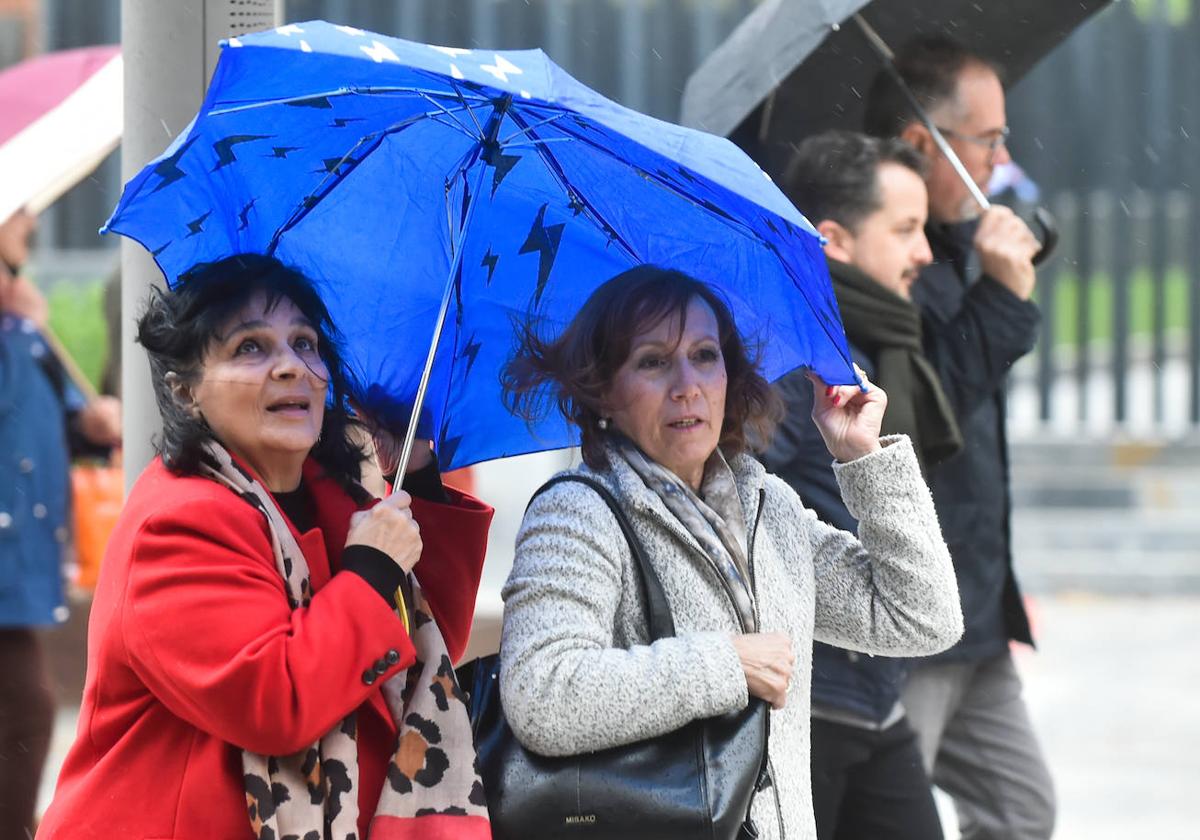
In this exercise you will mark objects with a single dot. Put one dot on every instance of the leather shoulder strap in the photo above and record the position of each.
(658, 611)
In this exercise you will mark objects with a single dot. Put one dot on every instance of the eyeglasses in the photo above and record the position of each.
(991, 141)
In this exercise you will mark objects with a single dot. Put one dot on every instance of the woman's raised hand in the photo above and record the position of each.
(389, 527)
(767, 660)
(847, 417)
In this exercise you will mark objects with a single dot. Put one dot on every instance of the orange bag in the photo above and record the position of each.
(98, 492)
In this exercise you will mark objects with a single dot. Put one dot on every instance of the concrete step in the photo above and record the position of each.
(1116, 518)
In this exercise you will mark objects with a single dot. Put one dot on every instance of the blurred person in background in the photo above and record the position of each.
(44, 421)
(867, 197)
(979, 319)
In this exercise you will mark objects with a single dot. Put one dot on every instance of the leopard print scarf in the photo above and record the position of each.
(432, 787)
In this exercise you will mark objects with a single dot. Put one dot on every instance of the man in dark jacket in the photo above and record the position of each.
(966, 704)
(867, 197)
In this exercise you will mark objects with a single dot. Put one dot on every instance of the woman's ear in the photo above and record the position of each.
(182, 393)
(839, 242)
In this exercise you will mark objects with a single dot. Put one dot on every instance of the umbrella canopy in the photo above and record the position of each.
(61, 115)
(404, 176)
(794, 68)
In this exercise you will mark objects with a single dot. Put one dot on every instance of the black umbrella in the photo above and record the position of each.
(794, 68)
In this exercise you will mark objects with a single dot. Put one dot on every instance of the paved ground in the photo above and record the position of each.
(1113, 692)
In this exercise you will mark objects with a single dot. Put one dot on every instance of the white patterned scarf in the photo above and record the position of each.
(313, 794)
(714, 518)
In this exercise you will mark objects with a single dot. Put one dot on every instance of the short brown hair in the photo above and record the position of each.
(577, 368)
(835, 175)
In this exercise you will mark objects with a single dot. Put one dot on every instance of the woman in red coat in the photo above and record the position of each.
(260, 662)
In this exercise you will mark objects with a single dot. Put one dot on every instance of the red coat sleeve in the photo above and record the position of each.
(454, 538)
(208, 629)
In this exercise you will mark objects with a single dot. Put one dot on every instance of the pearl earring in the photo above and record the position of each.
(602, 423)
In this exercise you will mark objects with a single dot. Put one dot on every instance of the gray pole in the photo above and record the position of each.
(170, 50)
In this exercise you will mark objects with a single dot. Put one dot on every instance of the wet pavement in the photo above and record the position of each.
(1114, 692)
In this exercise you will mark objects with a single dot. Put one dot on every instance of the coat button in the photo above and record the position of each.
(39, 511)
(393, 656)
(368, 677)
(381, 666)
(5, 519)
(26, 465)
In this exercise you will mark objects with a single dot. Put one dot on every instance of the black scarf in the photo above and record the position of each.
(888, 329)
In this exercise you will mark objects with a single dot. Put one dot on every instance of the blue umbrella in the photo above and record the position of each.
(440, 192)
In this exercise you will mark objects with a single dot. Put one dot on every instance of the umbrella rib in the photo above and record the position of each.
(730, 221)
(455, 125)
(336, 177)
(529, 144)
(465, 128)
(557, 173)
(537, 124)
(336, 92)
(474, 119)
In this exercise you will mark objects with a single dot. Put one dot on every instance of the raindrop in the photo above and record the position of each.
(1184, 132)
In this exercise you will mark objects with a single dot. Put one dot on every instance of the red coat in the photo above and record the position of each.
(193, 655)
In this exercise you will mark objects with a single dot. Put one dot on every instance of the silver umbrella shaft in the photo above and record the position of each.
(419, 400)
(880, 46)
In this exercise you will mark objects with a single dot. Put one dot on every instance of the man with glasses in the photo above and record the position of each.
(966, 705)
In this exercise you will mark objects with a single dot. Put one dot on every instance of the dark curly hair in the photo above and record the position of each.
(178, 327)
(575, 370)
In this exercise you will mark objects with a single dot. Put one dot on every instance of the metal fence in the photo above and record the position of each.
(1109, 126)
(1120, 343)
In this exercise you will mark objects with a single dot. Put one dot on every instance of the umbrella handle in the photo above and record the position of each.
(1049, 234)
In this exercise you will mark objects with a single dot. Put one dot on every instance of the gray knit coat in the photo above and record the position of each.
(578, 675)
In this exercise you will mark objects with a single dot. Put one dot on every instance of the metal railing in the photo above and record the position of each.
(1120, 343)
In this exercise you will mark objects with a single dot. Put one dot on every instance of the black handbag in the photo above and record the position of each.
(695, 782)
